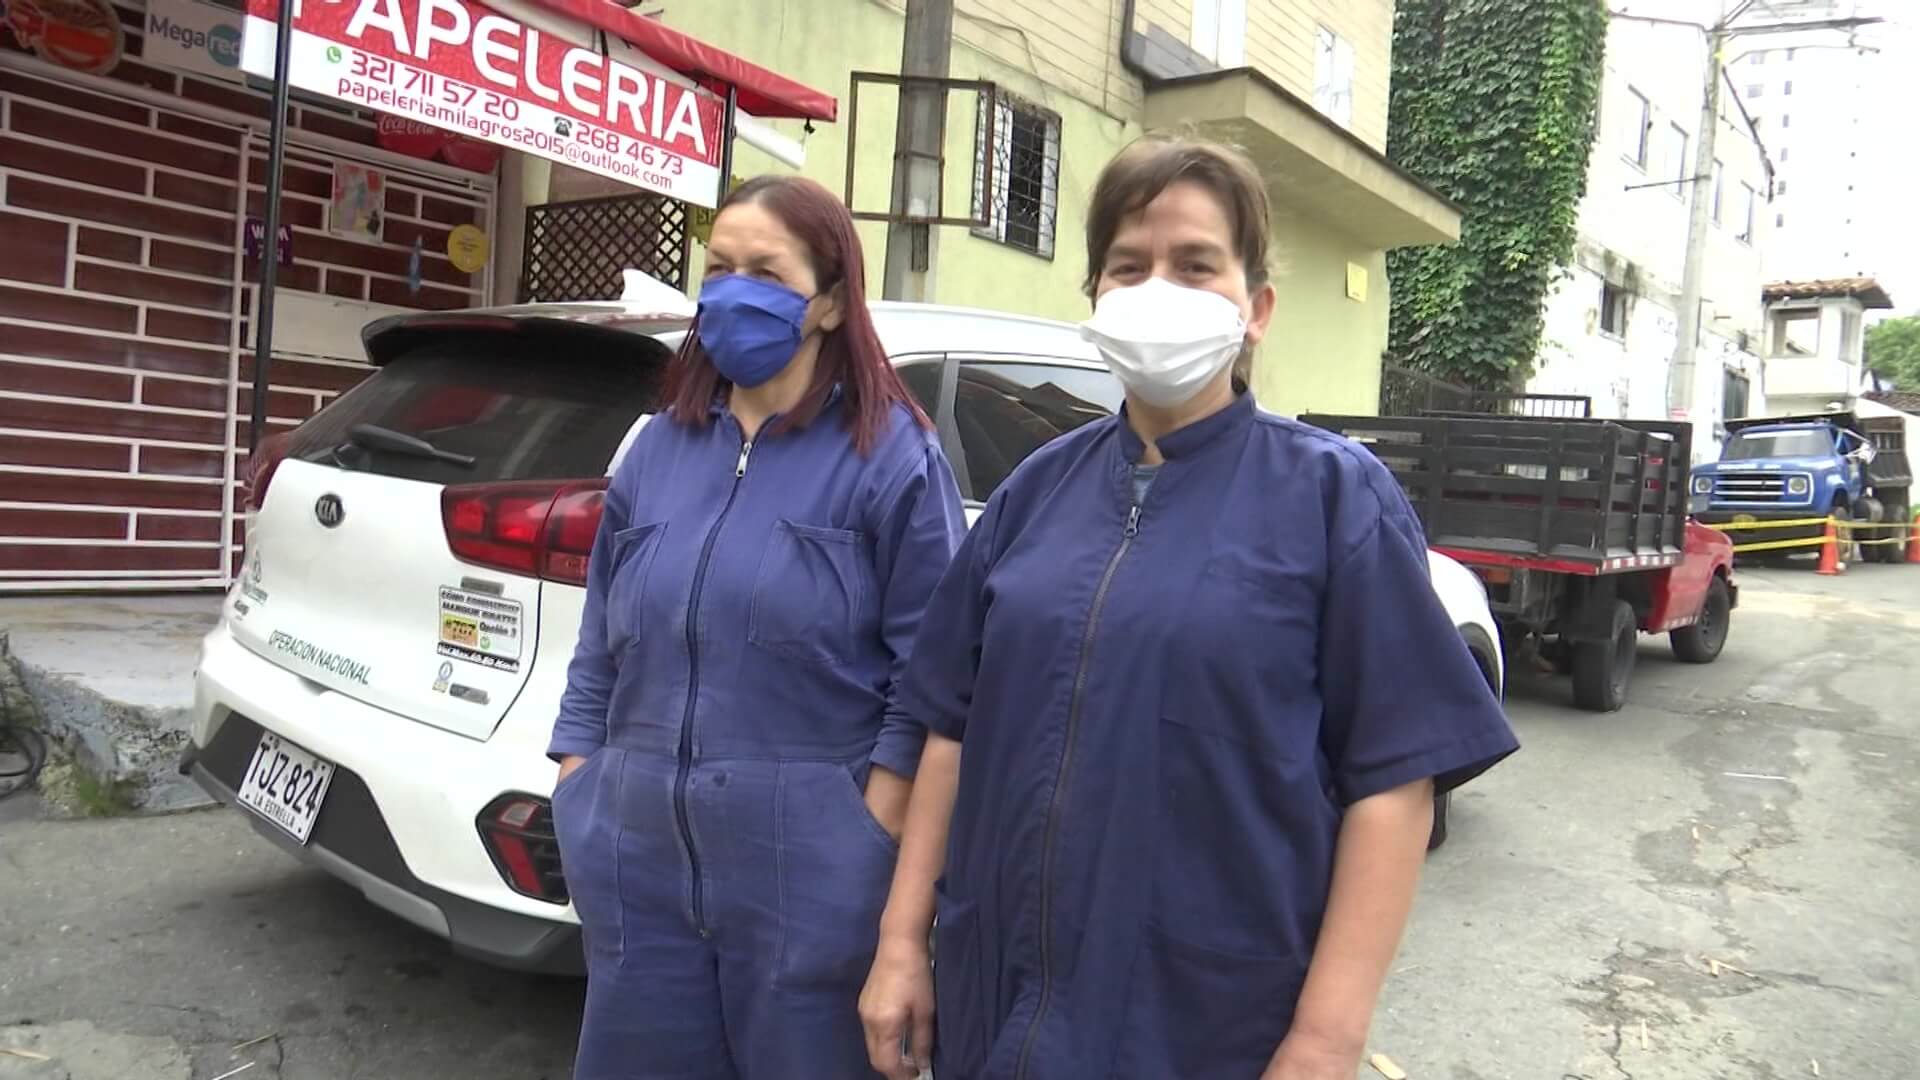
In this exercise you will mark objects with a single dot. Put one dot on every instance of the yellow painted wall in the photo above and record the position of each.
(1281, 38)
(1322, 352)
(819, 42)
(1281, 41)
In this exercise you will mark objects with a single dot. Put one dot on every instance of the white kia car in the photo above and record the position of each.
(379, 691)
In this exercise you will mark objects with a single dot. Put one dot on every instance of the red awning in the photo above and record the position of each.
(762, 92)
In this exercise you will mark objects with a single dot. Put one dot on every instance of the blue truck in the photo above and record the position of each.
(1785, 468)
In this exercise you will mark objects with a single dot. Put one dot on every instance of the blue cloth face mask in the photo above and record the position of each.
(750, 328)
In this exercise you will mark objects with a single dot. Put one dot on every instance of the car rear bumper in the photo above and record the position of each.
(438, 781)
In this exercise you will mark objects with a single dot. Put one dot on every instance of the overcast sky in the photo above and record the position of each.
(1888, 180)
(1893, 119)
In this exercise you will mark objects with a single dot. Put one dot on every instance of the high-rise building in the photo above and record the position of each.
(1822, 100)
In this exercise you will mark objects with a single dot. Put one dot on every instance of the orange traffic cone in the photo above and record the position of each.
(1913, 541)
(1830, 563)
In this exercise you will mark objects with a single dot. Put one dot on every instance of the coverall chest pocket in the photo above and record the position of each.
(633, 553)
(810, 597)
(1242, 648)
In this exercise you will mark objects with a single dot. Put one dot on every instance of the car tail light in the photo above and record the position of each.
(517, 831)
(542, 530)
(266, 457)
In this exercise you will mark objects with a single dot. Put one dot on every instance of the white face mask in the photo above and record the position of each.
(1163, 341)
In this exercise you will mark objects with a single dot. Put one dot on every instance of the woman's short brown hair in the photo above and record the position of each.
(1138, 174)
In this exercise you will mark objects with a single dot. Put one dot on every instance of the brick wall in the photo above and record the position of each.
(116, 334)
(124, 394)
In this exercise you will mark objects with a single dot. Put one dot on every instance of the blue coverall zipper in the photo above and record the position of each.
(693, 691)
(1054, 808)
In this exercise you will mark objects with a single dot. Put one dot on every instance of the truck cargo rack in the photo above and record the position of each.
(1573, 495)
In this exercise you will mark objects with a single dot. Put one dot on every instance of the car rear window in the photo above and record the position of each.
(520, 410)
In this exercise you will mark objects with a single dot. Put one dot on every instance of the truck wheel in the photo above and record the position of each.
(1603, 669)
(1439, 834)
(1701, 643)
(1891, 514)
(1877, 553)
(1842, 516)
(1862, 512)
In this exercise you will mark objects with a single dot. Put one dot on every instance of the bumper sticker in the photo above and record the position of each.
(480, 629)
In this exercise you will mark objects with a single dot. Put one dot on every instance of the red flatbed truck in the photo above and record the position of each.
(1578, 528)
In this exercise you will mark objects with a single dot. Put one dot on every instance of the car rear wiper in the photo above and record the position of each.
(374, 437)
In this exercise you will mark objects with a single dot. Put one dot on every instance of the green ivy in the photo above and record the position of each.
(1494, 104)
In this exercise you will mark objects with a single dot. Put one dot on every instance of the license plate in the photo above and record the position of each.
(285, 785)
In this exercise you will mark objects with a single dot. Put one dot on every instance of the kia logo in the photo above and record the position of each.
(329, 511)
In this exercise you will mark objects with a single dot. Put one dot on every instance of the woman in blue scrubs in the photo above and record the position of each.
(734, 759)
(1205, 694)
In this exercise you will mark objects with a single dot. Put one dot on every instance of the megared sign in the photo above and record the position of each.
(462, 67)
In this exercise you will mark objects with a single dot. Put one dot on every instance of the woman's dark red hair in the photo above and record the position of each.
(850, 355)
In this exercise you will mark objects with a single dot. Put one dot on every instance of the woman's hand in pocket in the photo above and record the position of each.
(568, 764)
(887, 795)
(896, 1008)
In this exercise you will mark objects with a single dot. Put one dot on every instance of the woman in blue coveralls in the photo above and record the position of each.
(734, 762)
(1206, 695)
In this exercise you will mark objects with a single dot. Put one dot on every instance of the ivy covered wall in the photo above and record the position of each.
(1494, 104)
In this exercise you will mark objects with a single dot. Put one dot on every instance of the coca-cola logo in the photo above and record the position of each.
(401, 125)
(404, 135)
(411, 137)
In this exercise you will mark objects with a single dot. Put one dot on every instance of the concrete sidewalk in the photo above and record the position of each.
(112, 680)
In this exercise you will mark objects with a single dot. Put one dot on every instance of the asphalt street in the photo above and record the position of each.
(1719, 881)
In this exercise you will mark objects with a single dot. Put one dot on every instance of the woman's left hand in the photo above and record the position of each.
(1310, 1057)
(887, 794)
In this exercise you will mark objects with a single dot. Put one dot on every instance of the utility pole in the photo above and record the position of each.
(1680, 380)
(1680, 377)
(919, 141)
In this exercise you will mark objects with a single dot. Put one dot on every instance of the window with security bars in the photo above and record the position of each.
(1735, 391)
(1022, 146)
(576, 250)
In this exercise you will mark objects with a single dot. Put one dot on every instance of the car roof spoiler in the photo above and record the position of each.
(387, 338)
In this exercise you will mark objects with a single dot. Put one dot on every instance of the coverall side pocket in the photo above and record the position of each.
(588, 834)
(865, 813)
(961, 1004)
(834, 875)
(1218, 894)
(1200, 1014)
(810, 595)
(572, 780)
(633, 552)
